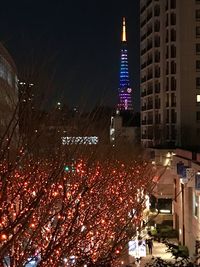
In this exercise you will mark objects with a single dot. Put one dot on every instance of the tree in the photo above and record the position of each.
(52, 214)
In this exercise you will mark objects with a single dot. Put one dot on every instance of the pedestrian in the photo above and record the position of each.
(150, 246)
(137, 262)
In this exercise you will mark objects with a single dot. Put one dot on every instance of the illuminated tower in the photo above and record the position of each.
(125, 92)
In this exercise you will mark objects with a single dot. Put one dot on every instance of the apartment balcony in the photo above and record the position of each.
(144, 136)
(149, 76)
(143, 65)
(157, 11)
(148, 3)
(157, 74)
(157, 105)
(149, 61)
(157, 43)
(143, 79)
(149, 16)
(156, 28)
(150, 121)
(150, 91)
(157, 121)
(149, 106)
(143, 37)
(157, 58)
(147, 136)
(157, 89)
(142, 9)
(173, 104)
(144, 93)
(149, 31)
(149, 46)
(143, 108)
(143, 51)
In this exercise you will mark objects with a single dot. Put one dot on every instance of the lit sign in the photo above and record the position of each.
(197, 181)
(79, 140)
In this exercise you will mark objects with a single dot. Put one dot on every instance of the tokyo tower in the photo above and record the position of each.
(125, 91)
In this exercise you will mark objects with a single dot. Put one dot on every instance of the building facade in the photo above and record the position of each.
(170, 77)
(8, 93)
(186, 204)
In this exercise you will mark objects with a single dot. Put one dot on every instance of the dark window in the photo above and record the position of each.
(167, 36)
(167, 84)
(167, 52)
(157, 72)
(167, 68)
(172, 4)
(157, 11)
(173, 19)
(198, 82)
(198, 65)
(173, 51)
(157, 56)
(167, 105)
(173, 132)
(167, 132)
(197, 31)
(173, 67)
(198, 115)
(198, 132)
(167, 20)
(157, 26)
(157, 41)
(173, 116)
(166, 5)
(197, 48)
(173, 83)
(173, 35)
(198, 14)
(173, 100)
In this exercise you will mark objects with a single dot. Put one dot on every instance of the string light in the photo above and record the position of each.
(78, 213)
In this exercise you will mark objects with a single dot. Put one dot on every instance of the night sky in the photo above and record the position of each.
(76, 44)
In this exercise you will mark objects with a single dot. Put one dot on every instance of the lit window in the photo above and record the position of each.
(198, 98)
(196, 205)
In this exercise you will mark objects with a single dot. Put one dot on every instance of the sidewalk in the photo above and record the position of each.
(159, 250)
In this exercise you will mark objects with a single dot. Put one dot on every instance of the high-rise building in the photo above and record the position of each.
(125, 91)
(170, 72)
(8, 97)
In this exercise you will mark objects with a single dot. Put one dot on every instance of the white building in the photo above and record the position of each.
(170, 72)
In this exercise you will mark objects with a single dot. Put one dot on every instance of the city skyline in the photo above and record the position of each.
(78, 45)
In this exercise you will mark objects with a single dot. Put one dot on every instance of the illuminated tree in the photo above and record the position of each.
(88, 212)
(79, 205)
